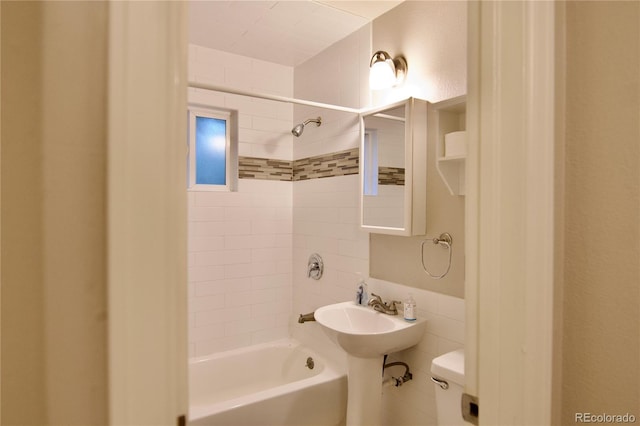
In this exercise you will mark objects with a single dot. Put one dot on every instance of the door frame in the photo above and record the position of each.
(510, 210)
(510, 165)
(147, 219)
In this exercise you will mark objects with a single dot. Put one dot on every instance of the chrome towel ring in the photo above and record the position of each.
(444, 240)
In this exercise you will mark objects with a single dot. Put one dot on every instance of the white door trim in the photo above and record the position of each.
(147, 279)
(510, 210)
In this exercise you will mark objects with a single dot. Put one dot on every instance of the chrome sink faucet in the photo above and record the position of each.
(388, 308)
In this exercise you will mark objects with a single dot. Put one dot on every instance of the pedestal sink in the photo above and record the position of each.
(366, 335)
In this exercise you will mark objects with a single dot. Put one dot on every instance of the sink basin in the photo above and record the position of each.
(365, 333)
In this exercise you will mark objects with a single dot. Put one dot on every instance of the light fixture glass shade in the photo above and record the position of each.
(385, 71)
(382, 75)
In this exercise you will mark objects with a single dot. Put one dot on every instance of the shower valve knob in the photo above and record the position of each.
(315, 267)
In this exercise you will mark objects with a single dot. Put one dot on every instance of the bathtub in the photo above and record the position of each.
(264, 385)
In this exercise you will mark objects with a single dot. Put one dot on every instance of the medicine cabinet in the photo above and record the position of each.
(393, 168)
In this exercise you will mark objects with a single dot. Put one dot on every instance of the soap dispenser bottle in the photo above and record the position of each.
(410, 308)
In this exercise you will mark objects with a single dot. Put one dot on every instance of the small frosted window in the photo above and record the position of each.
(370, 162)
(211, 151)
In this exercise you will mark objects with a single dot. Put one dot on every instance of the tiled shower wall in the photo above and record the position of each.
(325, 211)
(240, 242)
(265, 126)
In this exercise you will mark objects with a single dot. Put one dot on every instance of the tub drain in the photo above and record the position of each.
(310, 363)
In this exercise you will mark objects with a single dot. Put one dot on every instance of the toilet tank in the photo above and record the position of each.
(449, 368)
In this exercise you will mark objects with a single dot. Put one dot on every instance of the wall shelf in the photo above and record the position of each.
(450, 117)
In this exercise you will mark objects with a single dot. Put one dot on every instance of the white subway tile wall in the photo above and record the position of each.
(325, 211)
(325, 221)
(240, 261)
(240, 242)
(264, 126)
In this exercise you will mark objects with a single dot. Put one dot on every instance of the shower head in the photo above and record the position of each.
(298, 129)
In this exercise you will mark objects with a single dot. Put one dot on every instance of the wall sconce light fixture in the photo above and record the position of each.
(385, 71)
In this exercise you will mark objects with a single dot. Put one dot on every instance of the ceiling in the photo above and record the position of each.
(284, 32)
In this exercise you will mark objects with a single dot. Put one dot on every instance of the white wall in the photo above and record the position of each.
(240, 242)
(432, 36)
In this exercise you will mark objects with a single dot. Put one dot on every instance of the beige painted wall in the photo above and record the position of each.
(53, 246)
(601, 321)
(432, 37)
(22, 334)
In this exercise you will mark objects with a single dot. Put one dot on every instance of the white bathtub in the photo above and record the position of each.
(264, 385)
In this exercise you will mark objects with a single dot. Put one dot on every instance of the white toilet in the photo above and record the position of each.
(447, 374)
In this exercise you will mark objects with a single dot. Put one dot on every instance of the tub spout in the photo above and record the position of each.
(306, 317)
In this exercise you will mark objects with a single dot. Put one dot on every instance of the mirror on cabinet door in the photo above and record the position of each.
(393, 168)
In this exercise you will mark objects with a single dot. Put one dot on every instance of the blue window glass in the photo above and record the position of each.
(211, 144)
(370, 162)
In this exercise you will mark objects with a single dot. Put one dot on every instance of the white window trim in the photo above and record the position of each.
(231, 157)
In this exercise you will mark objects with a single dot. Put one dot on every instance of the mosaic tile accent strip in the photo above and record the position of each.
(334, 164)
(391, 176)
(265, 169)
(329, 165)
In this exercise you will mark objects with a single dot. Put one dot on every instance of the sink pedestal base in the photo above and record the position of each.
(364, 390)
(366, 335)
